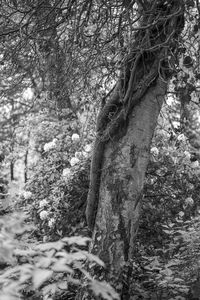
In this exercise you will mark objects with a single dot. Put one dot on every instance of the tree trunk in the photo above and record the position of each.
(122, 179)
(12, 171)
(26, 166)
(125, 128)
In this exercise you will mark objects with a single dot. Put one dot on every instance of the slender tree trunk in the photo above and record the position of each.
(26, 166)
(12, 171)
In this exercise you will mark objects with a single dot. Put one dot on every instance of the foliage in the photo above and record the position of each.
(172, 183)
(48, 269)
(170, 271)
(61, 211)
(166, 263)
(56, 193)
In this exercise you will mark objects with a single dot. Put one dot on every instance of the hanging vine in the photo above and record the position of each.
(155, 38)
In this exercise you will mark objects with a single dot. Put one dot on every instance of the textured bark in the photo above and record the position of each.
(125, 128)
(122, 178)
(140, 70)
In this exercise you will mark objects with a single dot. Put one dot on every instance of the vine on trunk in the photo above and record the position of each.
(160, 26)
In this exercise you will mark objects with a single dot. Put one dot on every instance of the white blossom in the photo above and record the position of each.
(75, 137)
(51, 222)
(88, 148)
(43, 215)
(85, 154)
(66, 173)
(187, 155)
(50, 145)
(78, 154)
(181, 138)
(28, 94)
(43, 203)
(27, 195)
(189, 201)
(47, 147)
(154, 151)
(194, 164)
(55, 141)
(152, 180)
(74, 161)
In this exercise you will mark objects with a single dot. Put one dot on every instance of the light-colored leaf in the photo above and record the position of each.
(94, 258)
(48, 246)
(44, 262)
(176, 280)
(27, 252)
(40, 276)
(5, 296)
(49, 289)
(60, 266)
(63, 285)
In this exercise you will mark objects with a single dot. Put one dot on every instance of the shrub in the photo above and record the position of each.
(48, 269)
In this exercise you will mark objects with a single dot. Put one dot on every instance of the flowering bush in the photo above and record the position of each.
(58, 187)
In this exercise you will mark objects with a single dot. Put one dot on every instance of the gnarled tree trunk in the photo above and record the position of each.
(125, 127)
(121, 186)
